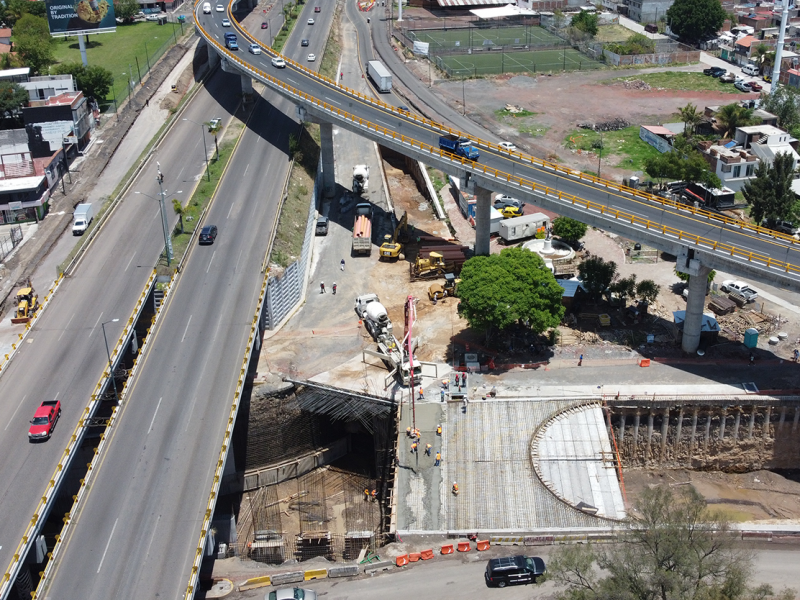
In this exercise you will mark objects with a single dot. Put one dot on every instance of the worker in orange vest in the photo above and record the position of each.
(428, 449)
(438, 459)
(374, 495)
(455, 489)
(439, 430)
(366, 494)
(408, 431)
(414, 447)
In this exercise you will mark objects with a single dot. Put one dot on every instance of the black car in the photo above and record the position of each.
(304, 42)
(708, 71)
(208, 234)
(717, 71)
(513, 570)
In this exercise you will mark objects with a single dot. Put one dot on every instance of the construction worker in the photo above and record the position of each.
(438, 459)
(408, 431)
(428, 449)
(334, 288)
(442, 392)
(464, 379)
(414, 447)
(366, 495)
(421, 395)
(415, 434)
(374, 495)
(321, 287)
(439, 429)
(796, 354)
(455, 489)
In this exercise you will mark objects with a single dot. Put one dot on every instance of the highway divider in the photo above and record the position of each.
(527, 185)
(75, 440)
(29, 325)
(255, 330)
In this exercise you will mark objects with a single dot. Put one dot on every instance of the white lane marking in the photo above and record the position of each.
(154, 414)
(212, 260)
(21, 402)
(107, 545)
(236, 268)
(187, 328)
(157, 215)
(247, 168)
(67, 327)
(130, 261)
(95, 324)
(230, 209)
(152, 536)
(334, 101)
(191, 410)
(291, 80)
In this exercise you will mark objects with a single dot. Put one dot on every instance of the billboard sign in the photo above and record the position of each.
(72, 17)
(421, 48)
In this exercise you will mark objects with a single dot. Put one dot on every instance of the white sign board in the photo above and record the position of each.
(15, 206)
(421, 48)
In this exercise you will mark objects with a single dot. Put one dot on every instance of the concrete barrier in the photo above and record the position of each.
(383, 565)
(348, 571)
(315, 574)
(290, 577)
(255, 582)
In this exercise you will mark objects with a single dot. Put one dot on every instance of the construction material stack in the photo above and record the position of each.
(437, 257)
(362, 229)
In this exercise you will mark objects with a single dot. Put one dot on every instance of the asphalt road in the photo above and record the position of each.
(64, 354)
(138, 528)
(682, 220)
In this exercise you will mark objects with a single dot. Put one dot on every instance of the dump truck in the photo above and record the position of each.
(460, 146)
(362, 229)
(82, 218)
(393, 244)
(27, 303)
(360, 179)
(380, 76)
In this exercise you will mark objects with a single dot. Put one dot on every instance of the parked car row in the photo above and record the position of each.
(738, 82)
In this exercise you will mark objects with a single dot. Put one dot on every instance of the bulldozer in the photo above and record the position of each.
(392, 246)
(439, 292)
(431, 268)
(27, 303)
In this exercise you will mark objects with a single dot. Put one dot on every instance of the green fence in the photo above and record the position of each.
(462, 38)
(494, 63)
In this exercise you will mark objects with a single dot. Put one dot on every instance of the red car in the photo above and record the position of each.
(317, 9)
(756, 87)
(44, 421)
(264, 25)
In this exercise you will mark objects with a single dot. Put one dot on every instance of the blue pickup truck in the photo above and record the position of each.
(230, 41)
(460, 146)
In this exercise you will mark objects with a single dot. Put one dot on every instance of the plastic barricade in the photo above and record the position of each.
(402, 560)
(645, 362)
(447, 549)
(426, 554)
(483, 545)
(414, 557)
(464, 546)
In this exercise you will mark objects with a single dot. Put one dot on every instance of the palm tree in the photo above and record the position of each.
(690, 117)
(215, 127)
(731, 116)
(179, 210)
(761, 52)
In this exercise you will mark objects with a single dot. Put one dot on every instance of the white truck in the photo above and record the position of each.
(81, 218)
(360, 179)
(373, 313)
(380, 76)
(525, 226)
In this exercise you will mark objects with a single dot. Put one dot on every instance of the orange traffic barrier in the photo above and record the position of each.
(483, 545)
(414, 557)
(447, 549)
(426, 554)
(645, 362)
(464, 546)
(402, 560)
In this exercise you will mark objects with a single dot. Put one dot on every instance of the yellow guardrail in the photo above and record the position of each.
(220, 466)
(61, 468)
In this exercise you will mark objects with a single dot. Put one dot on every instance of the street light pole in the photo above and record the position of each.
(108, 354)
(599, 154)
(167, 240)
(205, 149)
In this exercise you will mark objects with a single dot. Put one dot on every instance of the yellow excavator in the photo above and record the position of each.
(392, 247)
(27, 303)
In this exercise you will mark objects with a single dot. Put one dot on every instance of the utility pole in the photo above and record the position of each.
(776, 68)
(167, 237)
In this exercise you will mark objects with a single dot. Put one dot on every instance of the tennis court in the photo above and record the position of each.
(494, 63)
(477, 37)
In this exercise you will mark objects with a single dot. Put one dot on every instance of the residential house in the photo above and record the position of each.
(730, 162)
(63, 120)
(647, 11)
(765, 118)
(766, 141)
(742, 50)
(25, 186)
(756, 21)
(42, 88)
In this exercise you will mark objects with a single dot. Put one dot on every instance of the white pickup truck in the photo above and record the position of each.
(741, 288)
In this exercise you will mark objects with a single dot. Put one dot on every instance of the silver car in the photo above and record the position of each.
(291, 594)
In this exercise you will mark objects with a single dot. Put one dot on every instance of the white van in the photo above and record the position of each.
(751, 70)
(207, 8)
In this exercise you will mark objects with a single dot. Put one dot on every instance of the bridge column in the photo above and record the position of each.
(247, 87)
(483, 205)
(213, 56)
(664, 432)
(326, 154)
(678, 429)
(694, 430)
(782, 419)
(621, 434)
(722, 423)
(752, 423)
(736, 421)
(636, 418)
(694, 310)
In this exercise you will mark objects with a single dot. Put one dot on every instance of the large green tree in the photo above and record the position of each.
(95, 81)
(597, 275)
(569, 229)
(691, 118)
(682, 163)
(784, 103)
(674, 548)
(33, 42)
(126, 9)
(732, 116)
(695, 20)
(12, 97)
(586, 22)
(13, 10)
(514, 286)
(769, 193)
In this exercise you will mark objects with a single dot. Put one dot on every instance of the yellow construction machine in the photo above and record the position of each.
(392, 247)
(439, 292)
(432, 267)
(27, 303)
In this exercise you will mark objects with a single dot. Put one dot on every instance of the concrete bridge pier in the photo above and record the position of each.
(722, 423)
(213, 56)
(483, 205)
(327, 157)
(621, 434)
(736, 421)
(698, 282)
(636, 418)
(678, 430)
(247, 87)
(752, 424)
(694, 430)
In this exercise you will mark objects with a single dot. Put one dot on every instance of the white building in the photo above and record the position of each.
(765, 141)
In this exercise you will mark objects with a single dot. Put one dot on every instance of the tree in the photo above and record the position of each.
(215, 127)
(569, 229)
(682, 163)
(95, 81)
(674, 549)
(624, 288)
(647, 290)
(695, 20)
(597, 275)
(586, 22)
(691, 118)
(12, 97)
(761, 53)
(13, 10)
(769, 193)
(731, 116)
(34, 43)
(784, 103)
(179, 210)
(514, 286)
(126, 9)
